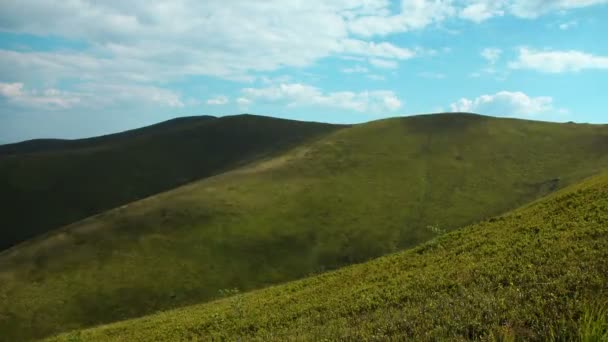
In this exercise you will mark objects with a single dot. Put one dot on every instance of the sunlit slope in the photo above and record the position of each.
(358, 193)
(50, 183)
(539, 273)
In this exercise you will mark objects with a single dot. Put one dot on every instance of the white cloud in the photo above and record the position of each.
(146, 45)
(558, 61)
(390, 101)
(48, 98)
(375, 77)
(568, 25)
(414, 15)
(372, 49)
(482, 10)
(492, 55)
(536, 8)
(297, 94)
(122, 95)
(143, 42)
(89, 95)
(357, 69)
(505, 103)
(383, 63)
(142, 46)
(11, 90)
(243, 102)
(274, 80)
(151, 42)
(218, 100)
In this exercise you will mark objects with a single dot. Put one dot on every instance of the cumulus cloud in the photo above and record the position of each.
(243, 102)
(558, 61)
(383, 63)
(357, 69)
(88, 95)
(481, 10)
(536, 8)
(375, 77)
(506, 103)
(142, 45)
(492, 55)
(11, 90)
(121, 95)
(187, 37)
(218, 100)
(568, 25)
(297, 94)
(48, 98)
(145, 42)
(414, 15)
(114, 21)
(372, 49)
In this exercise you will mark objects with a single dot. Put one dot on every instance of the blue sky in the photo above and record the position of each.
(71, 69)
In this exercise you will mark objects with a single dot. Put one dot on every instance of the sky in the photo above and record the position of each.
(79, 68)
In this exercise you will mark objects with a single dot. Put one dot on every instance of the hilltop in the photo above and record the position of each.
(538, 273)
(51, 183)
(343, 198)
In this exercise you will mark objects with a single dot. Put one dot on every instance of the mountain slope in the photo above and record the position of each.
(355, 194)
(537, 273)
(50, 183)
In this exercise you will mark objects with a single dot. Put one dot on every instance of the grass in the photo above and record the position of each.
(539, 273)
(594, 324)
(348, 197)
(50, 183)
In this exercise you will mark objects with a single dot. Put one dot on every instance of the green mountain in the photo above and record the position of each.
(349, 196)
(538, 273)
(50, 183)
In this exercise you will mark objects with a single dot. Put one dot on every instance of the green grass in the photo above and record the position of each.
(539, 273)
(50, 183)
(593, 325)
(353, 195)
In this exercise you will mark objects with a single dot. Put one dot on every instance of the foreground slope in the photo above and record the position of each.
(50, 183)
(537, 273)
(355, 194)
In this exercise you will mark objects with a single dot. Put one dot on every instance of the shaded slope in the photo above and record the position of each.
(538, 273)
(50, 183)
(356, 194)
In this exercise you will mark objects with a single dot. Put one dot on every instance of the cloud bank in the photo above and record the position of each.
(506, 103)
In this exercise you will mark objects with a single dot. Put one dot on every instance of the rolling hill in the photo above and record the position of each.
(346, 197)
(539, 273)
(50, 183)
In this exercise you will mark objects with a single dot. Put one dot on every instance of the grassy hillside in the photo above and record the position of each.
(538, 273)
(355, 194)
(50, 183)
